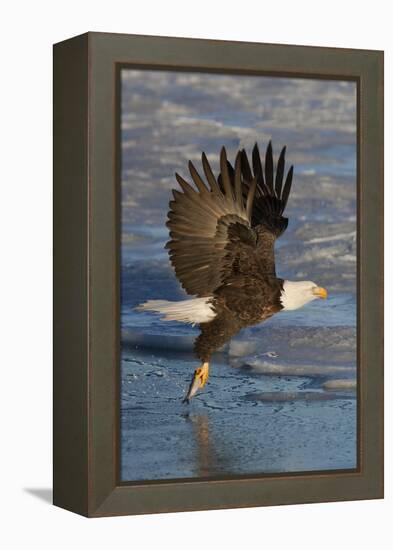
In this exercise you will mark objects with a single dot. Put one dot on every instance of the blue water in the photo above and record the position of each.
(281, 396)
(266, 407)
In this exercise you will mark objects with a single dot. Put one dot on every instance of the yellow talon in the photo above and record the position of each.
(203, 373)
(199, 379)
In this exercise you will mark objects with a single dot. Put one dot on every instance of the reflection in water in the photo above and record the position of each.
(205, 453)
(211, 455)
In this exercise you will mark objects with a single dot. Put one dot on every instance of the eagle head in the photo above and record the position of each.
(296, 294)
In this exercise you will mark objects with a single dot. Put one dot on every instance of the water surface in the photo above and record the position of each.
(281, 396)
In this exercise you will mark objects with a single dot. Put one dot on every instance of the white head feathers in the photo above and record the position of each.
(296, 294)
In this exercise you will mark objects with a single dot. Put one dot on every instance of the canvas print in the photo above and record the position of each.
(238, 275)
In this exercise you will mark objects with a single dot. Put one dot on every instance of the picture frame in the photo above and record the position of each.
(86, 273)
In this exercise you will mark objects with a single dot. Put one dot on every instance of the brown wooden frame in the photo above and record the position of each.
(86, 273)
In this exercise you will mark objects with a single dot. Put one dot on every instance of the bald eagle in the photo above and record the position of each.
(221, 246)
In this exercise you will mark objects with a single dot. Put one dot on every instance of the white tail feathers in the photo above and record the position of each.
(194, 311)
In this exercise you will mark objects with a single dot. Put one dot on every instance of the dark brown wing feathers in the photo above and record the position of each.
(198, 223)
(227, 226)
(270, 195)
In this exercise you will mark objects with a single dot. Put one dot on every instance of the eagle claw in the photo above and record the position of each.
(198, 381)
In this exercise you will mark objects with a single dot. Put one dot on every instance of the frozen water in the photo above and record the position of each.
(281, 396)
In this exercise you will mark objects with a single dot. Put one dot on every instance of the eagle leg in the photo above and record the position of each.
(199, 379)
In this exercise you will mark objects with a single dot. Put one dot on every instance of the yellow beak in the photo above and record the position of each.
(320, 292)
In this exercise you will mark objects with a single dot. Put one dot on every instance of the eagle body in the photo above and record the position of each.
(222, 236)
(238, 306)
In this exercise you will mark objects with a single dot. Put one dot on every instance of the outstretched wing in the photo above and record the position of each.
(271, 196)
(229, 228)
(204, 221)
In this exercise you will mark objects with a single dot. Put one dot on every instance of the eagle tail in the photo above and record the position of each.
(194, 310)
